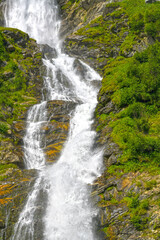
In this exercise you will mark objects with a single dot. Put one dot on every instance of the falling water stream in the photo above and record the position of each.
(69, 212)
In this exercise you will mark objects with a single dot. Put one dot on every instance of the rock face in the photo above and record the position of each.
(21, 82)
(1, 13)
(56, 131)
(78, 14)
(13, 193)
(97, 48)
(28, 63)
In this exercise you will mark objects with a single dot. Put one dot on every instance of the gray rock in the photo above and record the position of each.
(110, 149)
(150, 1)
(48, 51)
(56, 130)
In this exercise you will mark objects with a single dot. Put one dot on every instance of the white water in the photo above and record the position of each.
(69, 213)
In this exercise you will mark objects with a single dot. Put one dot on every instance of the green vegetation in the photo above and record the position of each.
(69, 4)
(137, 211)
(4, 168)
(149, 185)
(18, 62)
(3, 128)
(134, 87)
(133, 84)
(73, 1)
(14, 78)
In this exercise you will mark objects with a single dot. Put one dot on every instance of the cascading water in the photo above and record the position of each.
(69, 212)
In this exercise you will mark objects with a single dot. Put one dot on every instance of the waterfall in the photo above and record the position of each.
(69, 211)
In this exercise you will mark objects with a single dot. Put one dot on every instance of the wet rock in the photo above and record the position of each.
(110, 107)
(56, 130)
(113, 159)
(110, 149)
(48, 51)
(13, 193)
(80, 68)
(16, 35)
(2, 224)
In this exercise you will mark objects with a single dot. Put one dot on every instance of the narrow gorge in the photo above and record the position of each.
(79, 120)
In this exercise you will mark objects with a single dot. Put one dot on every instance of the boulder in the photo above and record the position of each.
(48, 51)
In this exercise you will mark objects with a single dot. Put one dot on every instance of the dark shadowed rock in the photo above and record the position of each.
(150, 1)
(48, 52)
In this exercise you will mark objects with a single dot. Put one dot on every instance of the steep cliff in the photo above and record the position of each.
(20, 78)
(121, 40)
(21, 86)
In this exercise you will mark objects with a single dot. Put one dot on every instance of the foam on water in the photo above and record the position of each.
(69, 212)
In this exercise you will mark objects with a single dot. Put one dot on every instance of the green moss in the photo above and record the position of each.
(70, 3)
(137, 211)
(14, 75)
(133, 85)
(150, 184)
(7, 166)
(3, 128)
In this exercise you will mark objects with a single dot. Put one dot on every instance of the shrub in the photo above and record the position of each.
(134, 202)
(136, 110)
(152, 15)
(3, 128)
(139, 222)
(150, 29)
(137, 22)
(150, 184)
(142, 57)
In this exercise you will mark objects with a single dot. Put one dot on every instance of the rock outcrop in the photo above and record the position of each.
(56, 130)
(21, 82)
(78, 14)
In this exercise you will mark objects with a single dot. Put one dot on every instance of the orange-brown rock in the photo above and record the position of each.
(56, 130)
